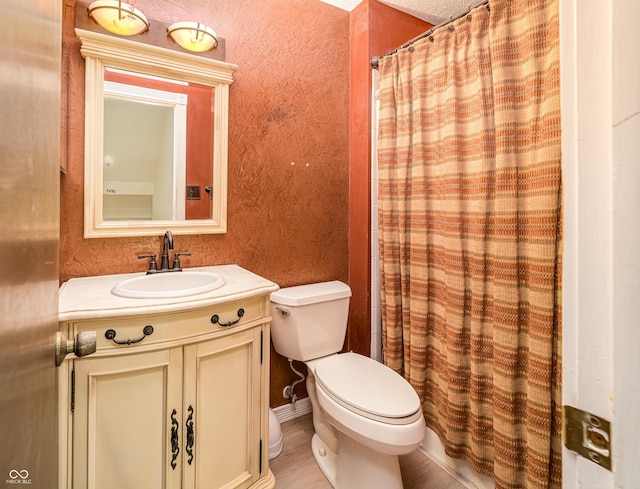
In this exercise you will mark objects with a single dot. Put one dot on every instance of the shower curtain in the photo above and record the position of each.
(470, 235)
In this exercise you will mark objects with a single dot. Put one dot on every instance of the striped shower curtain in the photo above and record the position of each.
(470, 235)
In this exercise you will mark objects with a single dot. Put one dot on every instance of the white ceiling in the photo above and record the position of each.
(432, 11)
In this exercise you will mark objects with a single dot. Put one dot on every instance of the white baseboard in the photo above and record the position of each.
(287, 412)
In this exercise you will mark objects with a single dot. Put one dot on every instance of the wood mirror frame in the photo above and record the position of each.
(100, 51)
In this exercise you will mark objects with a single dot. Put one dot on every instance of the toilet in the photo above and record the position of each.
(364, 413)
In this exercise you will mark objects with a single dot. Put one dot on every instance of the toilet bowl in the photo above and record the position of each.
(369, 402)
(364, 413)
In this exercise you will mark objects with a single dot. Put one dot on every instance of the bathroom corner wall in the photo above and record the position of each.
(288, 199)
(376, 29)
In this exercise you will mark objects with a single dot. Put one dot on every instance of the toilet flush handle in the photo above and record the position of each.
(284, 312)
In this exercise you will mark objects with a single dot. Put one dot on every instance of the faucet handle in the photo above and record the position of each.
(176, 260)
(153, 264)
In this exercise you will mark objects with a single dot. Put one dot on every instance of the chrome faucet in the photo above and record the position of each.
(168, 245)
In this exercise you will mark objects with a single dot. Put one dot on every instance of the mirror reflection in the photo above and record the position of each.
(158, 148)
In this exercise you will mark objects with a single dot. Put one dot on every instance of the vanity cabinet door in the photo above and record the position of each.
(128, 421)
(222, 396)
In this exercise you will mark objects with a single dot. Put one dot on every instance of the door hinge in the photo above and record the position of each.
(588, 435)
(73, 389)
(260, 459)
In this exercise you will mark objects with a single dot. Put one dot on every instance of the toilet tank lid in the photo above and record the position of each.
(301, 295)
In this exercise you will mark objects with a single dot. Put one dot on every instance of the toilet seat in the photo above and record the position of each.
(368, 388)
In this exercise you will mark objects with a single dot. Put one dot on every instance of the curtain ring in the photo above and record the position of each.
(411, 49)
(451, 28)
(431, 38)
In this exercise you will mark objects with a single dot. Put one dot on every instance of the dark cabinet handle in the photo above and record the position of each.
(215, 319)
(110, 334)
(190, 435)
(175, 449)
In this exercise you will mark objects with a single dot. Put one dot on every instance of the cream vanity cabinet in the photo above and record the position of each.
(176, 395)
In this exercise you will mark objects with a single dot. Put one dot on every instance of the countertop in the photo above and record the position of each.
(91, 297)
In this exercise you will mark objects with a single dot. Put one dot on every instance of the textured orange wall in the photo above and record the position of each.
(375, 29)
(288, 103)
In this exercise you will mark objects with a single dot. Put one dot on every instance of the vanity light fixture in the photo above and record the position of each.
(193, 36)
(118, 17)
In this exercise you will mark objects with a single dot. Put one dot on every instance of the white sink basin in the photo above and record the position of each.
(168, 284)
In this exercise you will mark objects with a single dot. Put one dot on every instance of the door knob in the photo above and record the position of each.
(84, 344)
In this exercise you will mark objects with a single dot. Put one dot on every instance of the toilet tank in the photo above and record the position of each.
(310, 321)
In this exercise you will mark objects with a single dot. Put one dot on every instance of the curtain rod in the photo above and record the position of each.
(375, 59)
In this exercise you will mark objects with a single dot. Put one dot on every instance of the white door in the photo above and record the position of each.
(600, 57)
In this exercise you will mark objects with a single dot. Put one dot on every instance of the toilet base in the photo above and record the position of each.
(357, 466)
(326, 459)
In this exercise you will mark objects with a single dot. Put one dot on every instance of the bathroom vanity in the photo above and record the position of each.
(176, 394)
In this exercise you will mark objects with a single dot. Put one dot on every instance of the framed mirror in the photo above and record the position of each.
(156, 130)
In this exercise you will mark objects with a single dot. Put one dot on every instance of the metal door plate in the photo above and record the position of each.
(587, 435)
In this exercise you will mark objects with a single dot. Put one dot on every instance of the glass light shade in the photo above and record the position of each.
(193, 36)
(118, 17)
